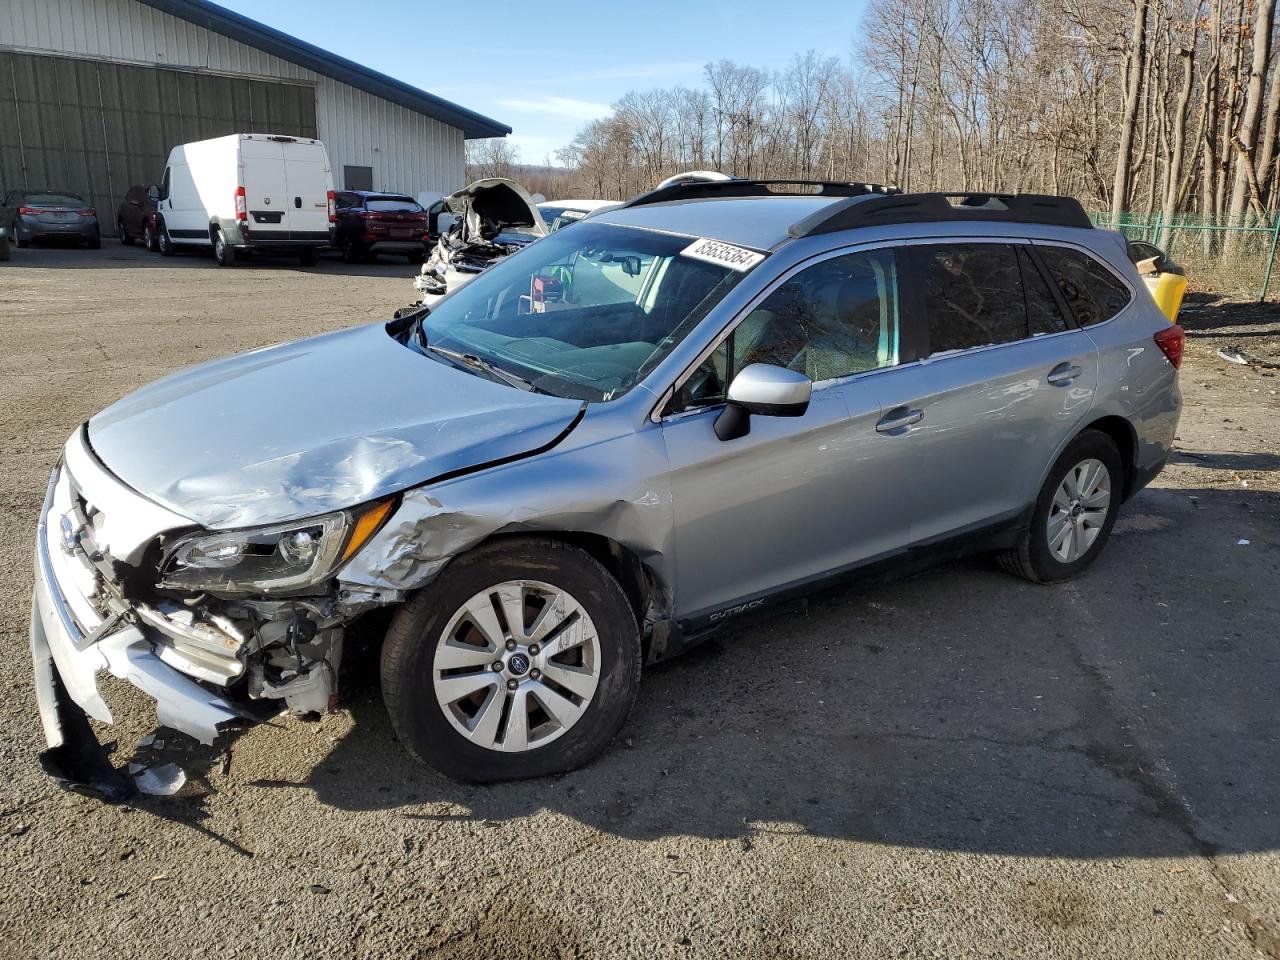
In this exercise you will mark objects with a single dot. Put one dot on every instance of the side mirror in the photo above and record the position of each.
(153, 193)
(766, 391)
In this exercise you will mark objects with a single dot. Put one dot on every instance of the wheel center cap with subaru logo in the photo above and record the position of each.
(518, 664)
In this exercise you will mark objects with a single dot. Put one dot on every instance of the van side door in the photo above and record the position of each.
(1005, 380)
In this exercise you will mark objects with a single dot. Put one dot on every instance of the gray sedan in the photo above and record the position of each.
(680, 413)
(50, 215)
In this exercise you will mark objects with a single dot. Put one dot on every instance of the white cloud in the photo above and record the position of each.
(558, 106)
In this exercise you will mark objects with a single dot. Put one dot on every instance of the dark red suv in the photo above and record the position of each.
(370, 223)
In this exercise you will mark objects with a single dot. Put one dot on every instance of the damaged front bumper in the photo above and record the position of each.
(185, 654)
(72, 641)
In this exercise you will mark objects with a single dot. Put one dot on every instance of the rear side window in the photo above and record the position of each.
(1093, 292)
(971, 294)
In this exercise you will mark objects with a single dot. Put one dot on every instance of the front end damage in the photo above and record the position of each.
(495, 218)
(206, 660)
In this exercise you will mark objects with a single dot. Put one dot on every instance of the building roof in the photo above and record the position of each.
(223, 21)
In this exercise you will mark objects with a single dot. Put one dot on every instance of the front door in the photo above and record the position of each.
(796, 498)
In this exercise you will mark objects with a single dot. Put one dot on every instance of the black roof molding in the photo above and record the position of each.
(229, 24)
(870, 211)
(734, 187)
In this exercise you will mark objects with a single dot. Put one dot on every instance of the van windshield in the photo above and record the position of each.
(584, 313)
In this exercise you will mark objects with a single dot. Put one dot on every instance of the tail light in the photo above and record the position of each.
(88, 212)
(242, 208)
(332, 210)
(1170, 341)
(27, 211)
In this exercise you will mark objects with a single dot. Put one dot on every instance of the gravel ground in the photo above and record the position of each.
(958, 764)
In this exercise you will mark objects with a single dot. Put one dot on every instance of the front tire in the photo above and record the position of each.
(164, 242)
(149, 239)
(521, 660)
(1074, 512)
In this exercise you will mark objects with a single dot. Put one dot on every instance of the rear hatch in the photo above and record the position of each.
(286, 182)
(394, 217)
(56, 209)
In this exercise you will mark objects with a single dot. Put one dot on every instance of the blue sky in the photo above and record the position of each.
(547, 68)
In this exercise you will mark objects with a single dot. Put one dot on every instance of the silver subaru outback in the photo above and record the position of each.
(693, 407)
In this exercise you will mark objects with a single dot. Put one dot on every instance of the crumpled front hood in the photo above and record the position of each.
(498, 201)
(320, 424)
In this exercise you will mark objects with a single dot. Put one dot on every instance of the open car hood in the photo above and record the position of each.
(498, 201)
(321, 424)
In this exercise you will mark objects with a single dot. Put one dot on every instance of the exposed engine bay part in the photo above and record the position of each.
(495, 218)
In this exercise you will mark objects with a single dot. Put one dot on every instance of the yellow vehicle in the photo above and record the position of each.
(1164, 278)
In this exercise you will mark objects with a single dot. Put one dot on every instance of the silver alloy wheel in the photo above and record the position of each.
(516, 666)
(219, 246)
(1079, 510)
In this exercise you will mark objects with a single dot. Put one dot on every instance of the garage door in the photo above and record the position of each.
(96, 128)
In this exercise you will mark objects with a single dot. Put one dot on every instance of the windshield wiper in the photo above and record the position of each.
(479, 363)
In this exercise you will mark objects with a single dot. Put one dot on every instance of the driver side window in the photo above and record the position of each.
(833, 319)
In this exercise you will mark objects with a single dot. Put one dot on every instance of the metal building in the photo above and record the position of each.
(94, 93)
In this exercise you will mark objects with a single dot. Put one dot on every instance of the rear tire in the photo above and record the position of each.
(124, 234)
(309, 257)
(415, 257)
(605, 644)
(17, 237)
(223, 252)
(1074, 513)
(94, 243)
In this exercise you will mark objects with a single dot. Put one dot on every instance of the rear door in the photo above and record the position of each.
(266, 190)
(1006, 379)
(306, 173)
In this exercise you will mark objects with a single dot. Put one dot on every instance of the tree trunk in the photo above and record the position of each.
(1246, 138)
(1132, 100)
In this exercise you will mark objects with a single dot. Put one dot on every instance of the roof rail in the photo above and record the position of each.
(710, 189)
(870, 211)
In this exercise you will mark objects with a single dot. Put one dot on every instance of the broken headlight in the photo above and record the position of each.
(274, 559)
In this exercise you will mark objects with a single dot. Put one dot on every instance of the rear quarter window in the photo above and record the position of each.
(1091, 290)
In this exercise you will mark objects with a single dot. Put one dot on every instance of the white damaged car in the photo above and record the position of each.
(494, 218)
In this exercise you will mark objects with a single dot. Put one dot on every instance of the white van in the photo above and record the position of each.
(247, 191)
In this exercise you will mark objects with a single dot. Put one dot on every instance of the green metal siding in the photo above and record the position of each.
(95, 128)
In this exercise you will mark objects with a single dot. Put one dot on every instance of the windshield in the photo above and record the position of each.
(583, 313)
(392, 205)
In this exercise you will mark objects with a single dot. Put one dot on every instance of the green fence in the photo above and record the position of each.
(1231, 256)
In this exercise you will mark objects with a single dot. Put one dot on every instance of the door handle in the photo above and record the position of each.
(899, 418)
(297, 202)
(1063, 374)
